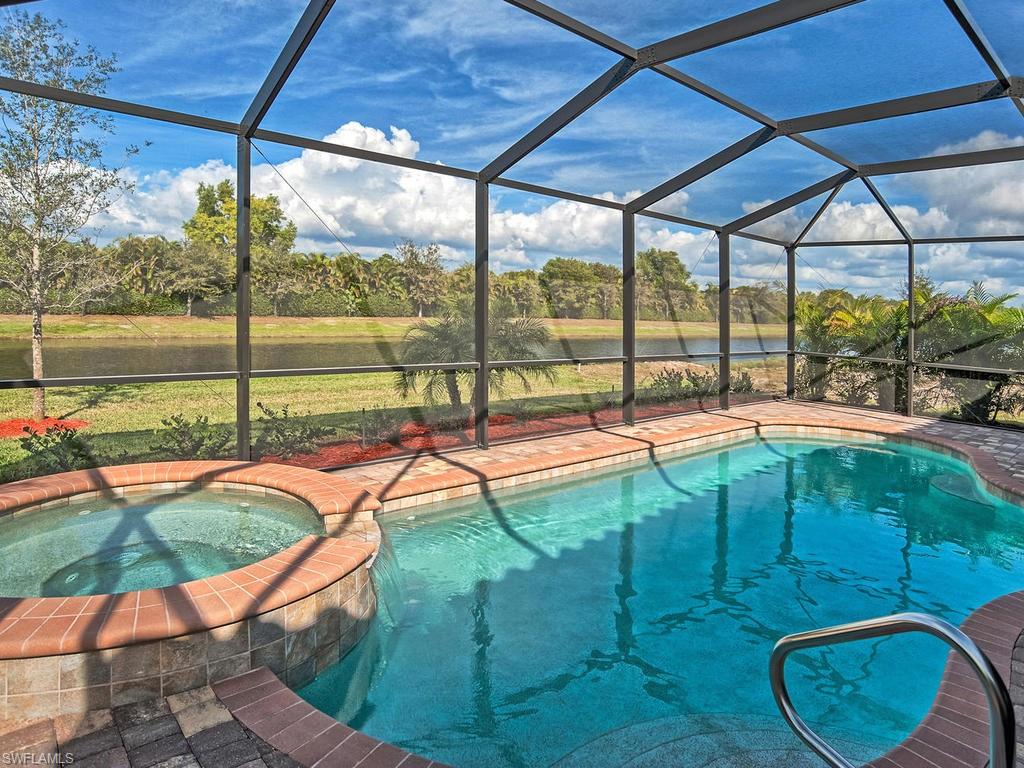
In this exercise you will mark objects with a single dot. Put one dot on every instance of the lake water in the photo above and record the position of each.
(110, 357)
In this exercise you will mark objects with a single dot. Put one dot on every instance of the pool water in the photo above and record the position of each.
(144, 541)
(619, 620)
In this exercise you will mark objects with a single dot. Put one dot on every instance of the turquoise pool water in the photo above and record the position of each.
(627, 619)
(142, 542)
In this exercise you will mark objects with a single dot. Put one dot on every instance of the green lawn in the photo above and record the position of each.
(117, 326)
(125, 422)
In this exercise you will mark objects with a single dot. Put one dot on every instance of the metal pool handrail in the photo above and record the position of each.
(1000, 708)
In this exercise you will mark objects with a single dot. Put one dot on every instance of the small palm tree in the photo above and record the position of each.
(450, 339)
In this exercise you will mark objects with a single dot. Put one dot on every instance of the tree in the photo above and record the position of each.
(450, 339)
(569, 285)
(978, 329)
(278, 274)
(211, 237)
(519, 290)
(607, 289)
(664, 283)
(197, 270)
(422, 274)
(385, 277)
(141, 261)
(214, 221)
(53, 179)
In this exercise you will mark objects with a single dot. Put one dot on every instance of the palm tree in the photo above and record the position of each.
(450, 339)
(979, 330)
(816, 334)
(876, 327)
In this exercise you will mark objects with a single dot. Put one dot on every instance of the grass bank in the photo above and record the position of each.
(157, 327)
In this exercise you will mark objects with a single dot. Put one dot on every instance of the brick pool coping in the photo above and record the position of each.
(953, 733)
(427, 478)
(292, 726)
(44, 626)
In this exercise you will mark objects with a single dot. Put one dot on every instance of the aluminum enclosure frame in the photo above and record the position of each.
(657, 58)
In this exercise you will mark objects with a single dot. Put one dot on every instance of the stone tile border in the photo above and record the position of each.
(297, 623)
(185, 730)
(296, 611)
(278, 716)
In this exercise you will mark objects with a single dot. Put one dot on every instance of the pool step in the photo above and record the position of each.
(705, 741)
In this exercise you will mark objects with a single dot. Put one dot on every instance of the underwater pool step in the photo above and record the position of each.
(704, 741)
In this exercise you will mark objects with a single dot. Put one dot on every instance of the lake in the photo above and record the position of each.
(66, 358)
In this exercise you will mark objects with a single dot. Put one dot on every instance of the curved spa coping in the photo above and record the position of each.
(45, 626)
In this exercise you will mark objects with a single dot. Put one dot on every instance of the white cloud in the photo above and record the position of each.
(372, 206)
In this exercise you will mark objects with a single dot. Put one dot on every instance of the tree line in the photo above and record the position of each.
(195, 274)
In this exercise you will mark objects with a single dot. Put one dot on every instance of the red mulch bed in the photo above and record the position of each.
(16, 427)
(420, 438)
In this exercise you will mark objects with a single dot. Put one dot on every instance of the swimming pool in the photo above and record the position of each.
(627, 619)
(144, 541)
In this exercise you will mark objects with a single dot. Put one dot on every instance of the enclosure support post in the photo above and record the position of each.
(481, 314)
(724, 319)
(911, 322)
(242, 297)
(629, 317)
(791, 322)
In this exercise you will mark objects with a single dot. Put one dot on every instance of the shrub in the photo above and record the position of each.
(520, 410)
(741, 383)
(136, 303)
(379, 305)
(380, 425)
(283, 435)
(195, 438)
(58, 449)
(673, 384)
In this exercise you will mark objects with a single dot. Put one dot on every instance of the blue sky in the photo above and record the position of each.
(457, 82)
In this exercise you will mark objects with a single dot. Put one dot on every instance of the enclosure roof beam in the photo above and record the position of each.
(93, 101)
(909, 105)
(358, 153)
(712, 35)
(980, 42)
(708, 226)
(885, 207)
(818, 214)
(754, 22)
(971, 28)
(959, 160)
(537, 189)
(702, 169)
(788, 202)
(303, 34)
(547, 13)
(577, 27)
(607, 82)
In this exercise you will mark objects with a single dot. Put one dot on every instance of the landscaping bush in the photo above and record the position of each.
(58, 449)
(380, 425)
(741, 383)
(283, 435)
(195, 439)
(671, 384)
(380, 305)
(321, 303)
(138, 304)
